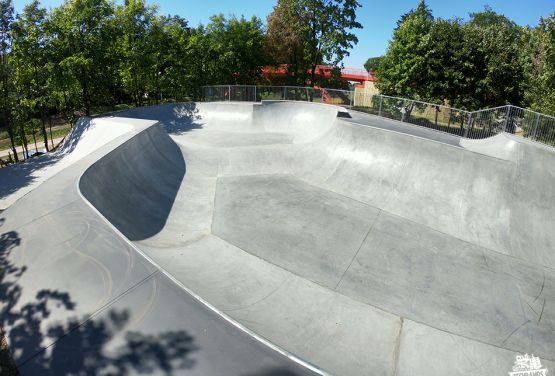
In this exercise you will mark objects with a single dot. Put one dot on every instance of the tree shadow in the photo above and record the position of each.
(19, 175)
(76, 346)
(80, 127)
(176, 118)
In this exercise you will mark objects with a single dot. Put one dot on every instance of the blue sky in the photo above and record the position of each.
(378, 17)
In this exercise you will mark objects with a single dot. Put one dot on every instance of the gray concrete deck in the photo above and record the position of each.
(361, 245)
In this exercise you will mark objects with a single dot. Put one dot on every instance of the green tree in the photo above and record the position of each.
(240, 46)
(201, 58)
(85, 33)
(7, 87)
(138, 69)
(323, 27)
(404, 68)
(30, 46)
(373, 63)
(285, 44)
(178, 80)
(492, 49)
(446, 71)
(539, 65)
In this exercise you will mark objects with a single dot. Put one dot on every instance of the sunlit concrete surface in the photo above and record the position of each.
(258, 239)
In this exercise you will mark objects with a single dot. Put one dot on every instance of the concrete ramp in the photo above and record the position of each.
(79, 298)
(140, 180)
(356, 244)
(423, 232)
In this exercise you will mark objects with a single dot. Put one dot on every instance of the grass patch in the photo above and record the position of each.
(57, 132)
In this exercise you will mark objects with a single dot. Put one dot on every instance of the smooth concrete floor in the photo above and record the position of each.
(360, 245)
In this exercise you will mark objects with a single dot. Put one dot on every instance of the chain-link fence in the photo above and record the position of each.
(290, 93)
(438, 117)
(469, 124)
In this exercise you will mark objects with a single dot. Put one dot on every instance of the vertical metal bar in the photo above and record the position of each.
(380, 109)
(507, 113)
(284, 90)
(229, 93)
(255, 93)
(404, 110)
(465, 135)
(535, 130)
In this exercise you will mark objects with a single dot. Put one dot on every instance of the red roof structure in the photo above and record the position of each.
(325, 71)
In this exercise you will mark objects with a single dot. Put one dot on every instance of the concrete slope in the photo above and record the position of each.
(362, 245)
(87, 135)
(79, 298)
(432, 247)
(134, 188)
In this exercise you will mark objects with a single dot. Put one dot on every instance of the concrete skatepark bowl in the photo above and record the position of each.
(279, 238)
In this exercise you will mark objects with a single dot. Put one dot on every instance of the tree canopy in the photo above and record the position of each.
(486, 61)
(88, 56)
(373, 63)
(306, 33)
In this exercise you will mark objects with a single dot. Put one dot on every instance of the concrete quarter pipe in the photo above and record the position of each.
(281, 239)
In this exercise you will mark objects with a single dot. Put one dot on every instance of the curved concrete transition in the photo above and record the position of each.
(360, 245)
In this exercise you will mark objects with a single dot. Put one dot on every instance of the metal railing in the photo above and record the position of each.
(468, 124)
(251, 93)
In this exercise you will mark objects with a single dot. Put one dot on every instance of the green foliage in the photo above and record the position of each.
(316, 32)
(538, 58)
(238, 45)
(470, 65)
(7, 95)
(492, 44)
(373, 63)
(88, 55)
(446, 72)
(138, 30)
(32, 66)
(84, 31)
(404, 69)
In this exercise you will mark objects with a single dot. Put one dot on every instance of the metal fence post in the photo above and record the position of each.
(403, 110)
(351, 95)
(284, 91)
(535, 130)
(229, 93)
(254, 93)
(507, 113)
(380, 109)
(468, 125)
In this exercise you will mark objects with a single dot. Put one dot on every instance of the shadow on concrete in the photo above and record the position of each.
(80, 127)
(183, 118)
(176, 118)
(79, 346)
(135, 185)
(19, 175)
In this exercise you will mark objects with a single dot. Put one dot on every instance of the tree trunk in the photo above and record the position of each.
(50, 128)
(313, 75)
(35, 141)
(12, 142)
(86, 96)
(43, 129)
(23, 143)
